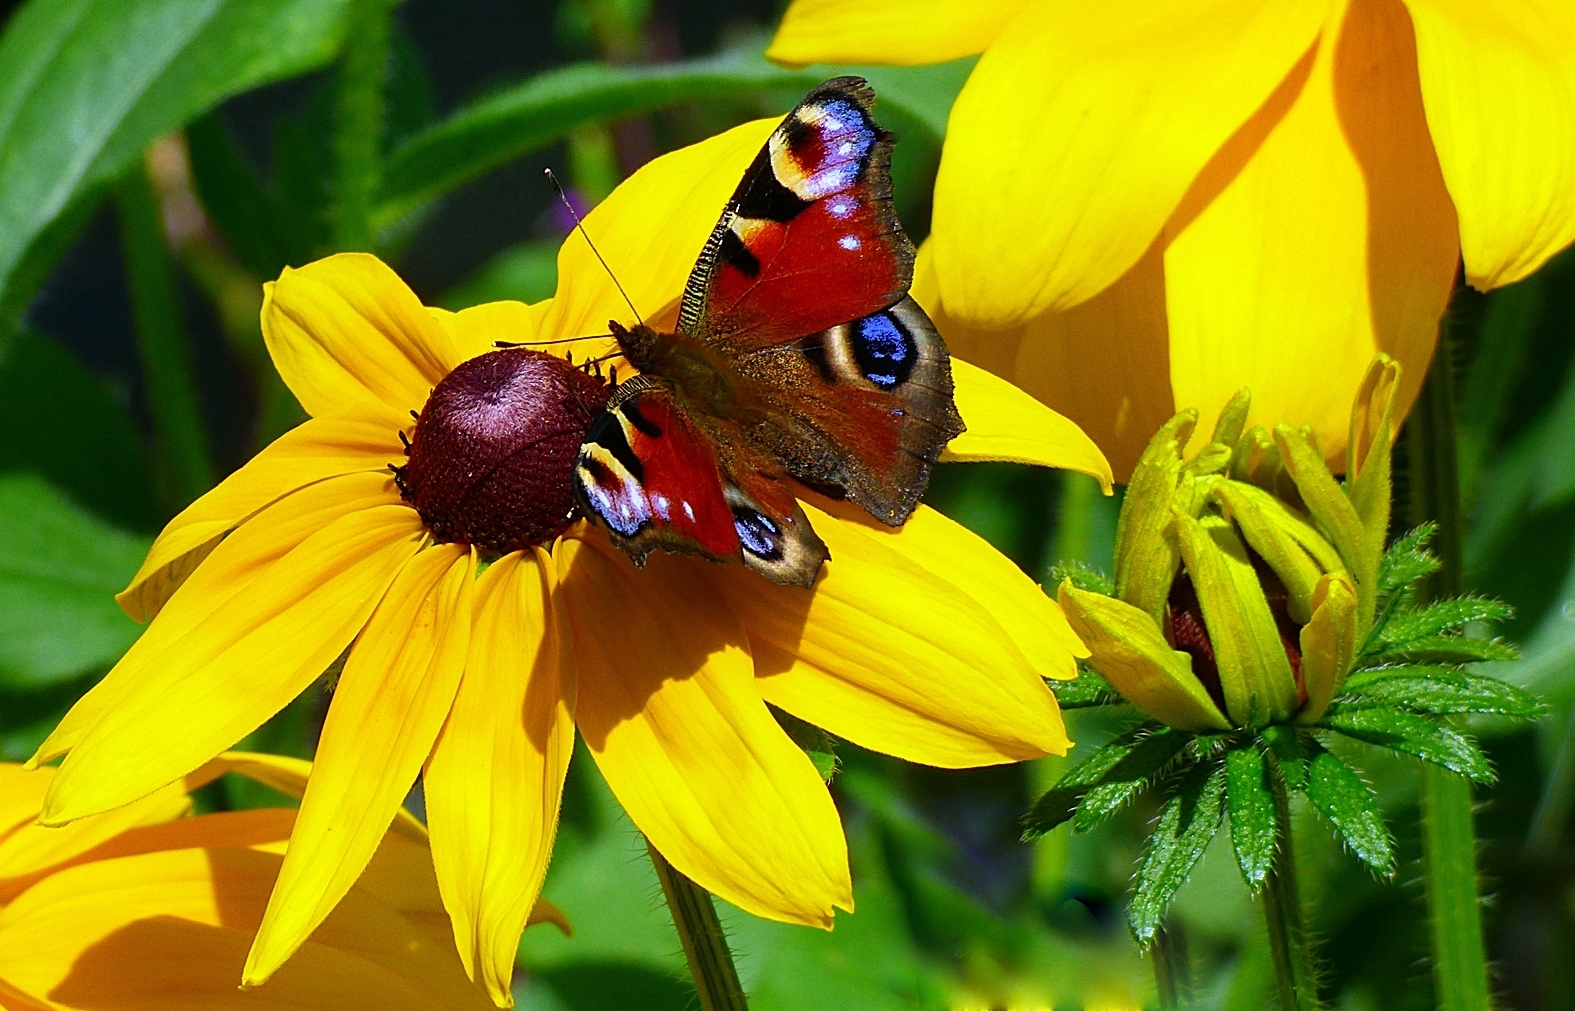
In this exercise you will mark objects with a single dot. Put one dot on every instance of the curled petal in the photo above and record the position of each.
(1328, 642)
(904, 32)
(1004, 423)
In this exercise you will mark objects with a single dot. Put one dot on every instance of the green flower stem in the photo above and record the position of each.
(705, 943)
(358, 123)
(1172, 966)
(1448, 842)
(1282, 913)
(161, 339)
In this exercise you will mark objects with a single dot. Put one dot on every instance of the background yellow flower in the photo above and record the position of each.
(1143, 206)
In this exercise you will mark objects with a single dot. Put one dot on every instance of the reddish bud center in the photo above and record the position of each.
(492, 458)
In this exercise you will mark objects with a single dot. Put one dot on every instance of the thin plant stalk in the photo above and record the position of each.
(1282, 914)
(1448, 840)
(358, 123)
(705, 942)
(162, 344)
(1172, 966)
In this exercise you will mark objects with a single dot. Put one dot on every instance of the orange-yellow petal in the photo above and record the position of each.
(916, 642)
(495, 780)
(905, 32)
(239, 561)
(187, 697)
(650, 230)
(1320, 236)
(318, 449)
(1004, 423)
(1498, 82)
(667, 704)
(169, 929)
(352, 340)
(396, 690)
(1079, 131)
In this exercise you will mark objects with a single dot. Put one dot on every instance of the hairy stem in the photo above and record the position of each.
(705, 943)
(358, 123)
(1172, 966)
(1282, 914)
(1448, 841)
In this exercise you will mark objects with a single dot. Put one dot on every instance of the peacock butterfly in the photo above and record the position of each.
(798, 354)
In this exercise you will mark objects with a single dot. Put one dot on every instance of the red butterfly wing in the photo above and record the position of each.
(657, 476)
(810, 238)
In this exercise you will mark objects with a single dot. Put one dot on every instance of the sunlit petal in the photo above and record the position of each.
(1073, 141)
(352, 340)
(396, 690)
(667, 704)
(477, 330)
(1335, 180)
(495, 779)
(1498, 81)
(915, 642)
(1004, 423)
(888, 31)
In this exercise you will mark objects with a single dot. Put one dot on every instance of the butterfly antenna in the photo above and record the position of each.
(558, 188)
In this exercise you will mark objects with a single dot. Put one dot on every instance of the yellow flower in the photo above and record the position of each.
(921, 642)
(145, 908)
(1142, 207)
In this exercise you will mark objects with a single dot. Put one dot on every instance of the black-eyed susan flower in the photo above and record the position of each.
(1143, 206)
(921, 642)
(148, 908)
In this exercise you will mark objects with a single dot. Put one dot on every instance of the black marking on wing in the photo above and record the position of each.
(766, 198)
(606, 432)
(734, 251)
(631, 410)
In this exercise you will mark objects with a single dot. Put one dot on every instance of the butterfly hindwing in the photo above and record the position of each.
(657, 476)
(810, 239)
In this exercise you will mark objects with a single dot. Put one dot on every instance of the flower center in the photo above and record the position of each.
(492, 457)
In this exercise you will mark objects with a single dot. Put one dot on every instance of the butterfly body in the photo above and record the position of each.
(797, 356)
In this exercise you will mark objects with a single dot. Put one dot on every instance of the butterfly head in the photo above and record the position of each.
(492, 457)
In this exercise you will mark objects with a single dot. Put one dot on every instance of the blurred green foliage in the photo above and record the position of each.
(952, 909)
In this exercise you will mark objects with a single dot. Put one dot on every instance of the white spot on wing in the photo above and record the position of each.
(849, 242)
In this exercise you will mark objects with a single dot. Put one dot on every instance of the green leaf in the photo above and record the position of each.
(62, 422)
(1407, 559)
(59, 572)
(1440, 691)
(820, 746)
(1410, 734)
(1089, 688)
(1352, 807)
(1083, 576)
(1451, 650)
(1134, 758)
(1250, 800)
(255, 226)
(1127, 778)
(85, 85)
(1406, 627)
(1186, 826)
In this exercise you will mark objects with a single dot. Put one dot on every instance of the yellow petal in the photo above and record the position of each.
(187, 697)
(318, 449)
(1079, 131)
(170, 929)
(21, 796)
(476, 330)
(650, 230)
(922, 642)
(495, 780)
(240, 560)
(904, 32)
(670, 711)
(994, 351)
(1328, 642)
(1004, 423)
(396, 691)
(352, 340)
(1320, 235)
(1498, 82)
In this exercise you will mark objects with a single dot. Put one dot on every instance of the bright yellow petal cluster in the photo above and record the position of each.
(1143, 206)
(921, 642)
(145, 908)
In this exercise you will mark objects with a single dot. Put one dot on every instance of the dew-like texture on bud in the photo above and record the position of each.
(492, 459)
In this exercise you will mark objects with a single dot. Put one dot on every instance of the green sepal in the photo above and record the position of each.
(1232, 420)
(1439, 691)
(1407, 559)
(1088, 689)
(1447, 650)
(1352, 807)
(1249, 798)
(1145, 553)
(1410, 734)
(1290, 753)
(1130, 761)
(1408, 625)
(1186, 827)
(1083, 576)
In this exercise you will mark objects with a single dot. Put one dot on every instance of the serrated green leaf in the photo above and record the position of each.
(1407, 559)
(1410, 734)
(1089, 688)
(85, 85)
(1407, 626)
(1444, 649)
(59, 572)
(1441, 691)
(1186, 826)
(1131, 760)
(1253, 819)
(820, 746)
(1083, 576)
(1352, 807)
